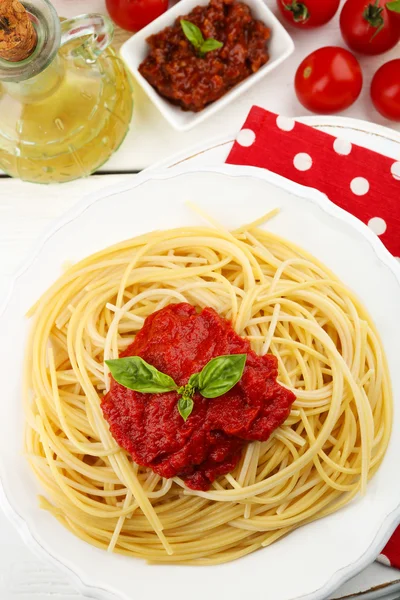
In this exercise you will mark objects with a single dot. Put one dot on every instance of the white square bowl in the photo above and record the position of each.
(135, 50)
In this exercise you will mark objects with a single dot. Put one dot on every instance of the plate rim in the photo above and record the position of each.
(32, 539)
(317, 121)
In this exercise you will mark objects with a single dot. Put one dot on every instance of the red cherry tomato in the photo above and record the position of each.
(135, 14)
(385, 90)
(368, 26)
(308, 13)
(328, 80)
(394, 11)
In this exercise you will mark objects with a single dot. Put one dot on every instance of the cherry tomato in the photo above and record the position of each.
(368, 26)
(308, 13)
(328, 80)
(385, 90)
(135, 14)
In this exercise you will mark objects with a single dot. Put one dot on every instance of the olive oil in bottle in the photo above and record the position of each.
(66, 107)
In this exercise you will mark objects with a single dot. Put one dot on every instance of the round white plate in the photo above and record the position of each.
(312, 561)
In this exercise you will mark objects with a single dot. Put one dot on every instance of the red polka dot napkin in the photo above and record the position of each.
(363, 182)
(358, 180)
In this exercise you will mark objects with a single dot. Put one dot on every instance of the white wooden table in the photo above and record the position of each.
(26, 210)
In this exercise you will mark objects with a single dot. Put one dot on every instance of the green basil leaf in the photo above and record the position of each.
(221, 374)
(394, 6)
(192, 33)
(136, 374)
(194, 380)
(185, 406)
(210, 45)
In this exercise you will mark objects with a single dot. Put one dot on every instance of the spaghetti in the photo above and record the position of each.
(284, 302)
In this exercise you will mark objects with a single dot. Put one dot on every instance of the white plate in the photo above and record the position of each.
(320, 556)
(135, 50)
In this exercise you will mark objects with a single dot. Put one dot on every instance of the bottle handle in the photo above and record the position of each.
(98, 31)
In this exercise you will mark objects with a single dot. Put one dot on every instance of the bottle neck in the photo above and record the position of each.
(40, 86)
(47, 26)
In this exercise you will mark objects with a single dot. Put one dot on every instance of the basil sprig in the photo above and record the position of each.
(219, 376)
(195, 37)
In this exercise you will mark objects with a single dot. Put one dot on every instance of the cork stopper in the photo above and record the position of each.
(17, 34)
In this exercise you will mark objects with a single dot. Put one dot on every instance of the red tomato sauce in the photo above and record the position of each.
(179, 341)
(177, 72)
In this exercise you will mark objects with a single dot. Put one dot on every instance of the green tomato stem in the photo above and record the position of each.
(300, 11)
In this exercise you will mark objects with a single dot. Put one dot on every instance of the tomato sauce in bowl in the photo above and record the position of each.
(177, 71)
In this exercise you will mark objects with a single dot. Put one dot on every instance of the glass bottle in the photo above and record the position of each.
(67, 107)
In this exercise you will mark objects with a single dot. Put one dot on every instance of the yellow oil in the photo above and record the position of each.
(65, 122)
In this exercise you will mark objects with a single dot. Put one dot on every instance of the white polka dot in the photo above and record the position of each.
(384, 560)
(377, 225)
(359, 186)
(342, 146)
(246, 137)
(302, 161)
(396, 170)
(285, 123)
